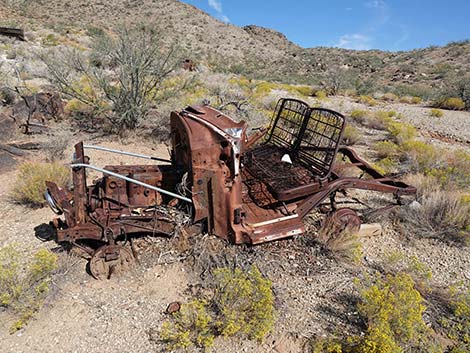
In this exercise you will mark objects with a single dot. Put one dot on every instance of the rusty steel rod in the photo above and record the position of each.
(132, 154)
(104, 171)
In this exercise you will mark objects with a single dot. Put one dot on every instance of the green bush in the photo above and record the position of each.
(30, 186)
(386, 149)
(367, 100)
(436, 112)
(25, 286)
(451, 103)
(245, 302)
(359, 115)
(393, 310)
(402, 132)
(416, 100)
(390, 97)
(351, 135)
(192, 324)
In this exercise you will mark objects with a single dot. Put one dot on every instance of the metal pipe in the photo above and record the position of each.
(138, 155)
(104, 171)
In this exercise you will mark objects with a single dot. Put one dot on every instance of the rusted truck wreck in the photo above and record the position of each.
(245, 189)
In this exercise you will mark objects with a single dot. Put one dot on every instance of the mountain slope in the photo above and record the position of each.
(251, 50)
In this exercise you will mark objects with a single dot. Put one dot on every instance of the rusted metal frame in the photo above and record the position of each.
(349, 183)
(80, 196)
(130, 180)
(234, 141)
(132, 154)
(13, 32)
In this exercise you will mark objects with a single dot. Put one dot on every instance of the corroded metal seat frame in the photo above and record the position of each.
(299, 149)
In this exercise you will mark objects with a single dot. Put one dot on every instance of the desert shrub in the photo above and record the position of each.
(305, 91)
(30, 184)
(245, 302)
(405, 99)
(25, 286)
(416, 100)
(192, 324)
(386, 149)
(419, 155)
(125, 82)
(359, 115)
(50, 40)
(320, 94)
(440, 214)
(456, 322)
(326, 345)
(386, 165)
(401, 132)
(379, 120)
(398, 262)
(56, 144)
(342, 244)
(436, 112)
(367, 100)
(393, 310)
(351, 135)
(451, 103)
(390, 97)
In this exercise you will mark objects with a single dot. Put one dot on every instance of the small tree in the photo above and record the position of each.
(119, 79)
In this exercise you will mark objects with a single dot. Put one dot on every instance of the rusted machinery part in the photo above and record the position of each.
(343, 219)
(110, 260)
(13, 32)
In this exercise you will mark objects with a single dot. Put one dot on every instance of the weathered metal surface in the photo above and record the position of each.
(13, 32)
(243, 190)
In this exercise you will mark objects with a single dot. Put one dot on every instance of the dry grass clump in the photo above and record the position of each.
(367, 100)
(416, 100)
(441, 215)
(451, 103)
(342, 244)
(25, 282)
(437, 113)
(351, 135)
(390, 97)
(378, 120)
(30, 186)
(56, 145)
(386, 149)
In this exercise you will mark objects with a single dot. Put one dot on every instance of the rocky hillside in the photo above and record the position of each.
(250, 50)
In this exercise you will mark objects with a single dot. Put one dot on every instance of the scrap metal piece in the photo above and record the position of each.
(13, 32)
(110, 260)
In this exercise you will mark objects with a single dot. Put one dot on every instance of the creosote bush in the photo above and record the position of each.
(243, 303)
(25, 286)
(30, 184)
